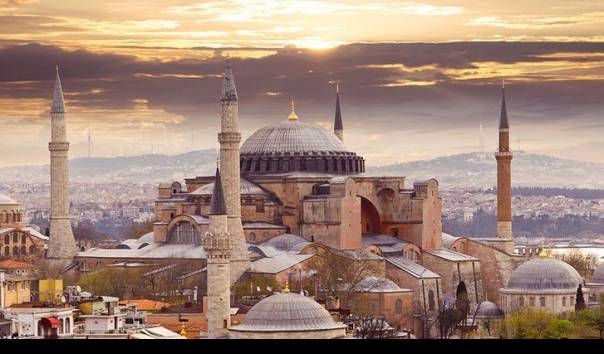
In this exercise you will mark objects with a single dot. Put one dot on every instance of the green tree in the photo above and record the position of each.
(119, 282)
(580, 303)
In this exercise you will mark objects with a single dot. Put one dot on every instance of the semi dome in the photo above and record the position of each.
(287, 312)
(543, 274)
(297, 146)
(598, 276)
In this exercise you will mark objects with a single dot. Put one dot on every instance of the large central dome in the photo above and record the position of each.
(291, 136)
(297, 146)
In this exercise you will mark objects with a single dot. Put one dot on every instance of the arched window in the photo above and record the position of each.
(15, 251)
(23, 239)
(184, 232)
(67, 325)
(399, 306)
(7, 251)
(431, 302)
(252, 236)
(61, 326)
(521, 301)
(6, 239)
(15, 237)
(23, 250)
(542, 301)
(563, 300)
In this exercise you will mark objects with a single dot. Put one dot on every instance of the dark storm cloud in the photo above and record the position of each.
(112, 81)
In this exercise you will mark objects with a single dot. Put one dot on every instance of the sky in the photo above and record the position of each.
(417, 79)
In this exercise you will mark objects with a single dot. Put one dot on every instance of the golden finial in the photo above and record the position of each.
(182, 332)
(292, 115)
(286, 289)
(545, 252)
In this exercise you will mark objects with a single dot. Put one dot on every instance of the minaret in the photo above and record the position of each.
(504, 175)
(61, 247)
(218, 247)
(229, 139)
(338, 127)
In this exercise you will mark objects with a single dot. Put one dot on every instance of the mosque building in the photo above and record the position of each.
(294, 190)
(18, 241)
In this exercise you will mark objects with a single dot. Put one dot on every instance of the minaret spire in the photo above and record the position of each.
(338, 127)
(503, 117)
(230, 173)
(62, 247)
(217, 206)
(504, 177)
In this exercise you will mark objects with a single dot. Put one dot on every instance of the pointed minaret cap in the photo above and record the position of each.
(58, 102)
(293, 115)
(337, 125)
(503, 119)
(217, 205)
(229, 92)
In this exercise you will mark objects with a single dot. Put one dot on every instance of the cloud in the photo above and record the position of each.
(538, 21)
(411, 93)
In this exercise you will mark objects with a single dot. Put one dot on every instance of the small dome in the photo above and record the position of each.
(598, 276)
(488, 311)
(544, 274)
(6, 200)
(287, 312)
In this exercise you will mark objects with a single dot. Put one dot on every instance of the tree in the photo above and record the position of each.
(341, 272)
(369, 327)
(583, 263)
(532, 324)
(137, 230)
(462, 304)
(448, 318)
(580, 303)
(118, 282)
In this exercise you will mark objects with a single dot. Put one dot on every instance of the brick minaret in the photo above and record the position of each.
(62, 247)
(504, 175)
(229, 139)
(218, 247)
(338, 127)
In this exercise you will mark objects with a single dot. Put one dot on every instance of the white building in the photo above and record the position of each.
(40, 321)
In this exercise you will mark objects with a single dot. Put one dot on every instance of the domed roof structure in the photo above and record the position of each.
(297, 146)
(598, 276)
(287, 312)
(246, 188)
(6, 200)
(544, 274)
(488, 311)
(290, 137)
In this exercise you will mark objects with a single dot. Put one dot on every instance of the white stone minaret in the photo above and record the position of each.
(229, 139)
(62, 247)
(218, 247)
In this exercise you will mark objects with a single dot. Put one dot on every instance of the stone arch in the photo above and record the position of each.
(371, 222)
(181, 220)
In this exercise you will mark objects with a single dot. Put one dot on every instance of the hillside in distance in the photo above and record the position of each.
(462, 171)
(478, 170)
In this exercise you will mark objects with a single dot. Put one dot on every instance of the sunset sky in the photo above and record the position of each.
(416, 78)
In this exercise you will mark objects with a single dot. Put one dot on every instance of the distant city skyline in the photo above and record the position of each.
(143, 81)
